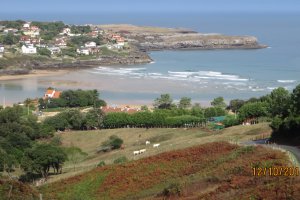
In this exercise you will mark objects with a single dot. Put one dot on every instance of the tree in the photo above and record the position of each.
(210, 112)
(58, 122)
(164, 102)
(253, 110)
(185, 102)
(9, 39)
(42, 157)
(144, 108)
(44, 52)
(197, 111)
(117, 120)
(114, 142)
(236, 104)
(94, 118)
(75, 119)
(218, 102)
(75, 155)
(295, 100)
(279, 102)
(80, 29)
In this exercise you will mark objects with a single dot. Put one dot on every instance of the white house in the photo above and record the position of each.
(54, 49)
(28, 49)
(1, 48)
(83, 51)
(10, 30)
(90, 44)
(66, 31)
(26, 25)
(61, 42)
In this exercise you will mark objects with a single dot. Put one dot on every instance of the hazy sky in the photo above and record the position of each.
(36, 6)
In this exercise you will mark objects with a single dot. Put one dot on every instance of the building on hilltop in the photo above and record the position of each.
(61, 42)
(32, 31)
(28, 49)
(90, 44)
(26, 39)
(10, 30)
(54, 49)
(2, 48)
(83, 51)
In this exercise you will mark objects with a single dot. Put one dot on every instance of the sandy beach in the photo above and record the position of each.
(34, 73)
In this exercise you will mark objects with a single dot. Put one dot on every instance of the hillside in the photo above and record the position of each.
(210, 171)
(170, 139)
(15, 190)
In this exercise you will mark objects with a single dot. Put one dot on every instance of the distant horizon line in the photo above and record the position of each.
(154, 12)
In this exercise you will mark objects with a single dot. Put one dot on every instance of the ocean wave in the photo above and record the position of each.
(191, 76)
(207, 75)
(286, 81)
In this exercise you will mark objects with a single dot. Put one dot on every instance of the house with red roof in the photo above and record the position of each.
(52, 94)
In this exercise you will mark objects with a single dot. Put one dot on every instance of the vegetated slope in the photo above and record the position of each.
(15, 190)
(216, 170)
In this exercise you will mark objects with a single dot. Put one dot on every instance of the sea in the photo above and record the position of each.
(199, 74)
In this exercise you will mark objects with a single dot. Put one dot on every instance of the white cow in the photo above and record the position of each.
(136, 152)
(142, 151)
(147, 142)
(156, 145)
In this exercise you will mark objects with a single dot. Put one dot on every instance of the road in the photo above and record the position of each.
(293, 149)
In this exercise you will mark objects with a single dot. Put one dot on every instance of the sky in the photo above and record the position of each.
(51, 6)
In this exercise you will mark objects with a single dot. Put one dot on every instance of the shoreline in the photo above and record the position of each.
(35, 73)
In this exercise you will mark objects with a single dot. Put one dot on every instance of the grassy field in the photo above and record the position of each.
(134, 139)
(218, 170)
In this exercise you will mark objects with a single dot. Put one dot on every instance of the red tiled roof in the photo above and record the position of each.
(56, 95)
(48, 92)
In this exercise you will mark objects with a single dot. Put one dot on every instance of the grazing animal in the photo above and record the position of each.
(156, 145)
(147, 142)
(142, 151)
(136, 152)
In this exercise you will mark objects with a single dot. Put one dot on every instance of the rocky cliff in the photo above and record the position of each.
(155, 38)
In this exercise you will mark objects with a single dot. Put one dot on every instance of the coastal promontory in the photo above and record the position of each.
(27, 46)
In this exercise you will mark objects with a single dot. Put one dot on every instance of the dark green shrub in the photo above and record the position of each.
(174, 189)
(101, 164)
(120, 160)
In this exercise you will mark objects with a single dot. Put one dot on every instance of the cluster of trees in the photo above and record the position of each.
(146, 119)
(44, 52)
(18, 143)
(285, 109)
(80, 29)
(9, 39)
(18, 24)
(73, 98)
(76, 120)
(49, 29)
(166, 114)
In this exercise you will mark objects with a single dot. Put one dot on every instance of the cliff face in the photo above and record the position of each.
(194, 41)
(201, 42)
(156, 38)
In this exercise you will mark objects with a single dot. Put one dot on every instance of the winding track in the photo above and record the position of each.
(293, 149)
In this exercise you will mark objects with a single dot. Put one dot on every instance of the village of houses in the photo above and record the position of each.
(30, 40)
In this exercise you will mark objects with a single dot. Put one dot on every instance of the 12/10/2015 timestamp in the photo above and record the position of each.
(275, 171)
